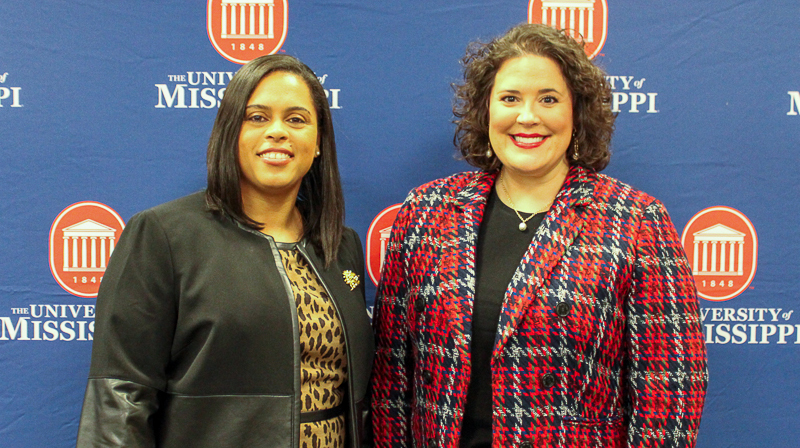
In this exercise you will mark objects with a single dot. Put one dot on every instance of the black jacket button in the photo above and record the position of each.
(563, 309)
(419, 304)
(427, 378)
(526, 444)
(431, 443)
(548, 380)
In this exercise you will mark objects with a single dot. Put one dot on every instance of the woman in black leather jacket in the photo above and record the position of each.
(235, 317)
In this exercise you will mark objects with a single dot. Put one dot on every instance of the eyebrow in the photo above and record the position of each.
(290, 109)
(545, 90)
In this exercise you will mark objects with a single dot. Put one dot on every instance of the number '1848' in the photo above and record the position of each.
(85, 280)
(247, 47)
(720, 284)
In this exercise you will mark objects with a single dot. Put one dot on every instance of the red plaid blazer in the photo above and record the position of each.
(599, 342)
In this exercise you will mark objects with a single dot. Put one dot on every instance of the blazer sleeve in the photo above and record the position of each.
(134, 329)
(393, 367)
(358, 250)
(666, 365)
(364, 424)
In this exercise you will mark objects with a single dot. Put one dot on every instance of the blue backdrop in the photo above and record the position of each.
(112, 102)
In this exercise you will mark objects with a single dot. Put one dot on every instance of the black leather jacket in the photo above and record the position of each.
(196, 336)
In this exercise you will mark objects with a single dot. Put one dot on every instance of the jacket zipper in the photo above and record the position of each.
(300, 246)
(277, 259)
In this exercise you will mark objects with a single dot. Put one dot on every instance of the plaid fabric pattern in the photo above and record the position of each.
(599, 342)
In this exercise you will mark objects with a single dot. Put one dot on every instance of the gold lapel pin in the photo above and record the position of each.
(351, 279)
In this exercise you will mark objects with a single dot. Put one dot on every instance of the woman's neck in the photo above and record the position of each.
(529, 194)
(279, 215)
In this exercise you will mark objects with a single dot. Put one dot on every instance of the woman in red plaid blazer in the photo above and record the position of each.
(598, 340)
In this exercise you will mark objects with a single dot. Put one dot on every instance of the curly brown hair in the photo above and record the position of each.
(591, 94)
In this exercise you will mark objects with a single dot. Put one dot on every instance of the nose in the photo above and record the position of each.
(276, 130)
(527, 115)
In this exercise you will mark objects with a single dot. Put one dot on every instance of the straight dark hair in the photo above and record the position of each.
(320, 199)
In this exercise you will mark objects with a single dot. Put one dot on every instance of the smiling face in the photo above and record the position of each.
(278, 139)
(530, 118)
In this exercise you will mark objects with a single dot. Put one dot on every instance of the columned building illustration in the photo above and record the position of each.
(575, 15)
(243, 19)
(87, 246)
(718, 250)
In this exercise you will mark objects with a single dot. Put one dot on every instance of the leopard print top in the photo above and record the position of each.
(322, 347)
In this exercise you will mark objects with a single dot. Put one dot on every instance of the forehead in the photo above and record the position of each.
(279, 88)
(529, 70)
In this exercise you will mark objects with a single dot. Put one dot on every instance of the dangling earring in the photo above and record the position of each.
(489, 150)
(575, 144)
(317, 153)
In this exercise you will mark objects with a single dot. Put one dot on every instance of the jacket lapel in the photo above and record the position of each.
(459, 237)
(555, 235)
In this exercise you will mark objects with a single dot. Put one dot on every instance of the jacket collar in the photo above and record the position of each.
(475, 193)
(577, 189)
(561, 226)
(558, 231)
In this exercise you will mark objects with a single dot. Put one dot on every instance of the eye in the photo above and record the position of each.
(509, 99)
(257, 118)
(296, 119)
(549, 99)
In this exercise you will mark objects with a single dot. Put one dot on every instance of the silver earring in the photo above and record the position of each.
(575, 147)
(317, 154)
(489, 150)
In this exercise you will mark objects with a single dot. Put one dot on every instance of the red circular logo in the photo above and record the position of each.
(82, 239)
(722, 247)
(242, 30)
(377, 238)
(587, 19)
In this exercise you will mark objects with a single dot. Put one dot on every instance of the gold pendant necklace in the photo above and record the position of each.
(522, 225)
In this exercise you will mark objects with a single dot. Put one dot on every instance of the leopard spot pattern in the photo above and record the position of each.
(323, 359)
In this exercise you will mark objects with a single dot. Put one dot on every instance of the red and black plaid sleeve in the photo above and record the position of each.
(391, 380)
(666, 366)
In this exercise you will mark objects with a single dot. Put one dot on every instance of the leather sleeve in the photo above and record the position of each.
(117, 413)
(134, 329)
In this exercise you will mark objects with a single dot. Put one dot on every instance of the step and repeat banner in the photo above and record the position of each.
(106, 108)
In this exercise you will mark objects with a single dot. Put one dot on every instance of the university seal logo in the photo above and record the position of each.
(242, 30)
(586, 20)
(82, 239)
(722, 248)
(377, 238)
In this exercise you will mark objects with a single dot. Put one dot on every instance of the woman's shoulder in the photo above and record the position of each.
(623, 201)
(182, 213)
(350, 238)
(612, 190)
(194, 202)
(450, 185)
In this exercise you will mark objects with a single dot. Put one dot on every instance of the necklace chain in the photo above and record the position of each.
(522, 226)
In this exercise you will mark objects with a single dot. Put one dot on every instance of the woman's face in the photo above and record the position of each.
(278, 139)
(530, 118)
